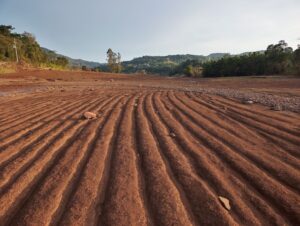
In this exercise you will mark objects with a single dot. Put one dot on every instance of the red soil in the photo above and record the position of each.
(155, 155)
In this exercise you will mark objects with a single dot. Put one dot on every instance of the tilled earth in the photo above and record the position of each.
(156, 154)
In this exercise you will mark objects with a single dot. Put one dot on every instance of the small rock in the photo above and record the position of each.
(225, 202)
(276, 107)
(172, 134)
(248, 102)
(89, 115)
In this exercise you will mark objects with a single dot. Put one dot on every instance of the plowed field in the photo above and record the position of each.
(153, 156)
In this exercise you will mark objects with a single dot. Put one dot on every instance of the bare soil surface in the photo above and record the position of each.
(161, 151)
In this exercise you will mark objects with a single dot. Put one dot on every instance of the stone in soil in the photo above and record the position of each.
(89, 115)
(276, 107)
(172, 134)
(225, 202)
(248, 102)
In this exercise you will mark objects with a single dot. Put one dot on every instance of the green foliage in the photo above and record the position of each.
(61, 61)
(277, 59)
(29, 50)
(6, 30)
(190, 68)
(296, 60)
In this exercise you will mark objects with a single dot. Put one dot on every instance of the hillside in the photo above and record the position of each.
(74, 63)
(25, 49)
(164, 64)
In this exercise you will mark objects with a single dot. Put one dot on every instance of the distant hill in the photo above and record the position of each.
(79, 63)
(164, 64)
(146, 64)
(76, 63)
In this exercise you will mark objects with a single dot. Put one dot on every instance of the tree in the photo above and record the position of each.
(278, 58)
(29, 36)
(190, 68)
(297, 60)
(114, 61)
(6, 29)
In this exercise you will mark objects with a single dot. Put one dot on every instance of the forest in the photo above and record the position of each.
(276, 59)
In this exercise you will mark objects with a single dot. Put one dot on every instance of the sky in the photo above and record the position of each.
(87, 28)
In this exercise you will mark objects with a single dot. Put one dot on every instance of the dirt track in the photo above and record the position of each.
(154, 156)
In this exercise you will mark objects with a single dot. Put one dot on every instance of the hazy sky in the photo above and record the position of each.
(87, 28)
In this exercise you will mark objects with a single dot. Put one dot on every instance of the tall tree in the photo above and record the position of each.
(113, 61)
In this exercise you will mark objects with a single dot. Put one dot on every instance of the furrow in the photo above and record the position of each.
(287, 175)
(208, 167)
(287, 147)
(284, 202)
(282, 129)
(52, 192)
(105, 180)
(23, 127)
(74, 185)
(51, 121)
(25, 144)
(139, 165)
(245, 133)
(21, 162)
(283, 142)
(92, 178)
(275, 119)
(183, 167)
(22, 188)
(123, 203)
(166, 201)
(22, 112)
(19, 120)
(38, 103)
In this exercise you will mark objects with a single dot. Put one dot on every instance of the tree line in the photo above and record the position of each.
(277, 59)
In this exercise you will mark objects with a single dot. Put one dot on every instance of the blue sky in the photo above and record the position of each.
(87, 28)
